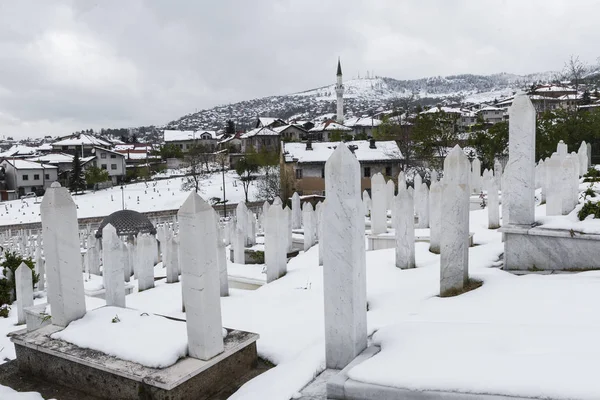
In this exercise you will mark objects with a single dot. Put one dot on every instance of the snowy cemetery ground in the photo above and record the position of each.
(163, 194)
(512, 324)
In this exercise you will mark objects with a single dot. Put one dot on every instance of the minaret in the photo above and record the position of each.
(339, 91)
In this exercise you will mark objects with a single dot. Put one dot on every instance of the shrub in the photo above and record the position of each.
(589, 208)
(593, 175)
(7, 285)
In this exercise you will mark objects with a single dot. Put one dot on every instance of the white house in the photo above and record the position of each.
(185, 140)
(28, 176)
(80, 142)
(109, 160)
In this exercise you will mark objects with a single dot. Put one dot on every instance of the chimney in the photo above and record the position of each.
(309, 145)
(372, 144)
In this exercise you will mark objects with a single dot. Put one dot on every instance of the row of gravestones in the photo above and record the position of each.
(196, 255)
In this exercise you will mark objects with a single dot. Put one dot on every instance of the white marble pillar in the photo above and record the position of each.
(589, 155)
(276, 241)
(521, 178)
(423, 221)
(251, 229)
(583, 159)
(265, 210)
(296, 211)
(200, 277)
(308, 222)
(40, 268)
(344, 264)
(404, 226)
(113, 268)
(390, 194)
(566, 186)
(454, 259)
(63, 255)
(318, 217)
(366, 203)
(239, 244)
(172, 260)
(498, 174)
(241, 221)
(493, 201)
(125, 260)
(435, 220)
(542, 179)
(320, 225)
(24, 289)
(476, 176)
(379, 206)
(554, 175)
(222, 259)
(288, 218)
(144, 261)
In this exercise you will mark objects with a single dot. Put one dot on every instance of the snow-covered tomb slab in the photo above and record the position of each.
(137, 354)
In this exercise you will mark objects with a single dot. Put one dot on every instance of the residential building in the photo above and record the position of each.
(25, 176)
(302, 165)
(64, 162)
(291, 133)
(109, 160)
(322, 132)
(137, 153)
(83, 143)
(185, 140)
(260, 139)
(269, 122)
(233, 143)
(364, 126)
(491, 115)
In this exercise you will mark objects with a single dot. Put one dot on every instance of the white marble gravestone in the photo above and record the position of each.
(113, 268)
(296, 211)
(404, 226)
(554, 175)
(40, 268)
(200, 277)
(476, 185)
(379, 205)
(144, 261)
(172, 261)
(308, 222)
(63, 255)
(435, 216)
(222, 259)
(344, 264)
(498, 174)
(366, 203)
(24, 289)
(454, 252)
(520, 179)
(493, 201)
(276, 241)
(390, 194)
(288, 218)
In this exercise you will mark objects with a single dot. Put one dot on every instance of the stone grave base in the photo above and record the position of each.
(101, 293)
(535, 249)
(388, 240)
(341, 387)
(105, 376)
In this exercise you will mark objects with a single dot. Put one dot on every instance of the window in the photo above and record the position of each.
(36, 177)
(388, 171)
(65, 147)
(113, 156)
(322, 172)
(25, 177)
(103, 166)
(323, 193)
(367, 172)
(113, 166)
(267, 142)
(47, 176)
(298, 174)
(103, 155)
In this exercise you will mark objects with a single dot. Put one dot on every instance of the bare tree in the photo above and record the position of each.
(575, 70)
(268, 186)
(196, 173)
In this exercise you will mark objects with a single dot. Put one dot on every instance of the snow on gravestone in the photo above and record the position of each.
(296, 211)
(63, 255)
(435, 217)
(493, 202)
(378, 210)
(276, 241)
(24, 289)
(113, 274)
(520, 180)
(454, 254)
(200, 277)
(344, 263)
(308, 221)
(144, 261)
(404, 226)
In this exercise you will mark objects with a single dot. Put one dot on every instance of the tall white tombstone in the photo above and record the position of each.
(404, 226)
(562, 150)
(493, 201)
(63, 255)
(566, 186)
(251, 229)
(308, 222)
(172, 261)
(344, 272)
(144, 261)
(276, 241)
(391, 193)
(296, 211)
(498, 174)
(366, 203)
(241, 221)
(589, 155)
(554, 175)
(318, 217)
(265, 210)
(288, 218)
(454, 255)
(423, 221)
(24, 289)
(200, 277)
(433, 176)
(379, 205)
(320, 225)
(222, 260)
(521, 177)
(541, 171)
(583, 158)
(239, 243)
(40, 268)
(476, 176)
(113, 273)
(435, 216)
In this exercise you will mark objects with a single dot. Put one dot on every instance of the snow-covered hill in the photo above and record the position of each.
(363, 96)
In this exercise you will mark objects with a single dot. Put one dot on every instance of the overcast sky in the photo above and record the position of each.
(71, 65)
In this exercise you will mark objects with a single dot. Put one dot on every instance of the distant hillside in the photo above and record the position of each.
(363, 96)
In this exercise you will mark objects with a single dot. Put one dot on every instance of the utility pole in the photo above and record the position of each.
(223, 174)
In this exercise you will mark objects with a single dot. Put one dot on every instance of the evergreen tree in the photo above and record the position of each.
(230, 127)
(77, 177)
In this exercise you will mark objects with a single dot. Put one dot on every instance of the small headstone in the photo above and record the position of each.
(379, 205)
(404, 226)
(296, 211)
(308, 222)
(276, 241)
(24, 289)
(113, 268)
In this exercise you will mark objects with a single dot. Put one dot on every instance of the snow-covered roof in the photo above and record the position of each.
(44, 147)
(259, 132)
(229, 138)
(490, 108)
(329, 126)
(178, 136)
(554, 88)
(108, 151)
(53, 158)
(284, 127)
(266, 122)
(362, 121)
(82, 139)
(383, 151)
(24, 164)
(444, 109)
(18, 150)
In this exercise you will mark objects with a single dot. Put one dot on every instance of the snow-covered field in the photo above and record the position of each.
(533, 335)
(157, 195)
